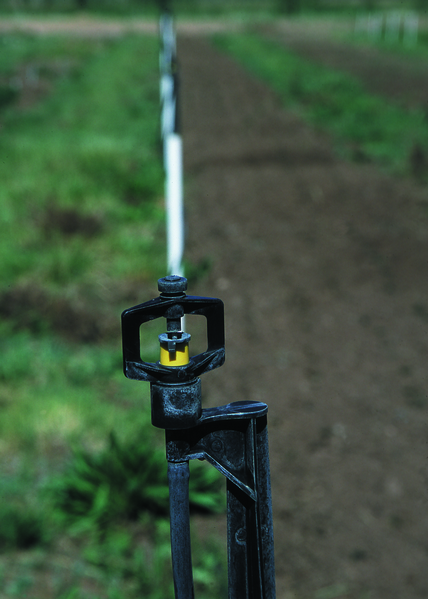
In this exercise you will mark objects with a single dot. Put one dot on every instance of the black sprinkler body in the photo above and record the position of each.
(233, 438)
(175, 386)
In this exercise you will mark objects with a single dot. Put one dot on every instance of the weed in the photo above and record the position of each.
(126, 480)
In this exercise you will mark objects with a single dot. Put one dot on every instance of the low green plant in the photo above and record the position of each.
(124, 481)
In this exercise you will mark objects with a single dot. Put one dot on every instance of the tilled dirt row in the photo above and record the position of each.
(322, 266)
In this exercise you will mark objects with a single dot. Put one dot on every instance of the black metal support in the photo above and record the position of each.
(233, 438)
(178, 479)
(250, 526)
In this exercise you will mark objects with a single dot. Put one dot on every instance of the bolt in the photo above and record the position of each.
(217, 445)
(241, 536)
(172, 285)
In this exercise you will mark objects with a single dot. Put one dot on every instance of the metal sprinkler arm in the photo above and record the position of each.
(233, 438)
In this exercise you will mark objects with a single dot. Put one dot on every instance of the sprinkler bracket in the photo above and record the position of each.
(172, 304)
(233, 438)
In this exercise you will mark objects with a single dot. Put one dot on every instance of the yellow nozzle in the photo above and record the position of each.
(174, 349)
(178, 358)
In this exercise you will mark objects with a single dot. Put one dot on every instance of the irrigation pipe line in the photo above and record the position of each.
(171, 143)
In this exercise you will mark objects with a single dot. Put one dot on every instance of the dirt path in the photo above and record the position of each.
(323, 269)
(91, 26)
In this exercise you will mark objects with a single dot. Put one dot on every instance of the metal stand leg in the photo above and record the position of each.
(250, 527)
(234, 440)
(178, 479)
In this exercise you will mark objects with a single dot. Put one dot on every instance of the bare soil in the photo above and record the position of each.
(322, 265)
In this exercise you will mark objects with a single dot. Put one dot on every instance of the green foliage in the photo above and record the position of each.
(89, 150)
(365, 127)
(21, 527)
(131, 561)
(8, 95)
(146, 565)
(81, 229)
(126, 480)
(81, 232)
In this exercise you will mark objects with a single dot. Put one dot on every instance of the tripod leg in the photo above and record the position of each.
(178, 479)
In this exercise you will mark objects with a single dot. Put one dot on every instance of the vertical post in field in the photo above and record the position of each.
(171, 143)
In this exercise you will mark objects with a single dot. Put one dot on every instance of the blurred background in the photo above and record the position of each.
(305, 131)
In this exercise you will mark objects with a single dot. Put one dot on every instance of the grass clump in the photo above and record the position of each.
(125, 481)
(365, 127)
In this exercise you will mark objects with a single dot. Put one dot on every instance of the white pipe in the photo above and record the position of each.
(172, 149)
(167, 109)
(174, 204)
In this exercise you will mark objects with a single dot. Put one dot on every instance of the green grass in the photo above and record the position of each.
(129, 562)
(81, 239)
(81, 227)
(363, 126)
(91, 148)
